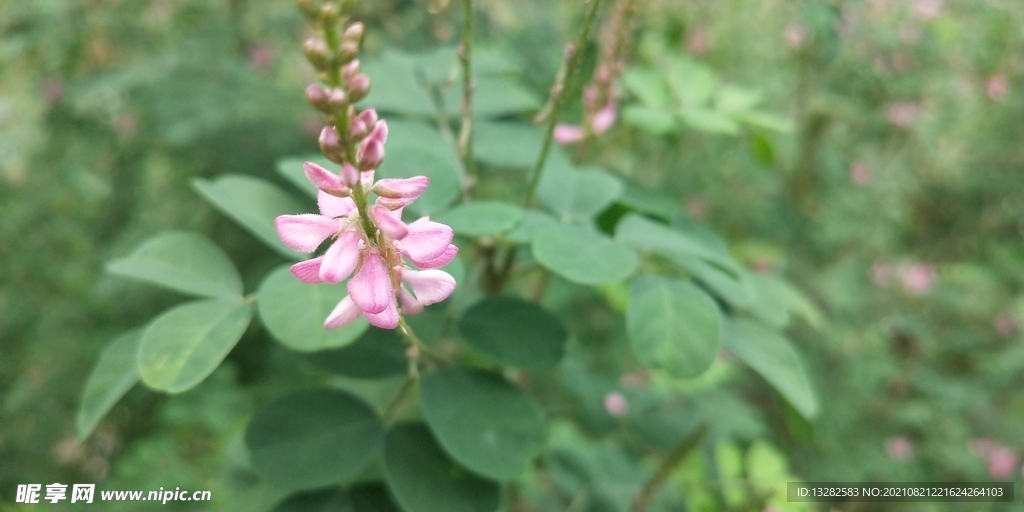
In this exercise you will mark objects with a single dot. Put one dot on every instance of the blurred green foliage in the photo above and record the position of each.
(896, 201)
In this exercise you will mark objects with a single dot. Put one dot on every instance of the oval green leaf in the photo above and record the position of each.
(252, 203)
(514, 332)
(673, 325)
(294, 312)
(487, 424)
(312, 438)
(583, 256)
(642, 233)
(186, 343)
(507, 144)
(436, 163)
(184, 262)
(377, 354)
(575, 194)
(772, 356)
(115, 373)
(481, 218)
(423, 478)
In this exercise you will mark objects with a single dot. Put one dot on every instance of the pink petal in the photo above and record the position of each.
(322, 178)
(332, 206)
(430, 286)
(410, 305)
(604, 118)
(366, 177)
(426, 241)
(394, 204)
(371, 287)
(349, 175)
(401, 188)
(387, 319)
(343, 314)
(379, 132)
(305, 232)
(567, 134)
(390, 226)
(341, 257)
(308, 271)
(442, 260)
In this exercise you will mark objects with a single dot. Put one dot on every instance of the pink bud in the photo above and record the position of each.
(357, 130)
(899, 448)
(997, 87)
(316, 96)
(918, 278)
(317, 52)
(337, 99)
(348, 51)
(330, 144)
(350, 70)
(604, 118)
(380, 131)
(358, 87)
(349, 175)
(616, 404)
(567, 134)
(371, 154)
(368, 117)
(1001, 463)
(324, 179)
(860, 173)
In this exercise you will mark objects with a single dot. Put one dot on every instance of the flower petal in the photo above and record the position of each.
(349, 175)
(343, 314)
(332, 206)
(371, 287)
(408, 188)
(410, 305)
(567, 134)
(322, 178)
(308, 271)
(427, 240)
(430, 286)
(387, 223)
(604, 118)
(341, 257)
(305, 232)
(442, 260)
(387, 319)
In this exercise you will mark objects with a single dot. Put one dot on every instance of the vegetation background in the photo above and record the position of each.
(896, 202)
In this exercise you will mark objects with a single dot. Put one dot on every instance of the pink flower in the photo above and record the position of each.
(374, 260)
(1004, 324)
(901, 114)
(860, 173)
(918, 279)
(615, 404)
(796, 35)
(1001, 463)
(697, 42)
(899, 448)
(997, 87)
(566, 134)
(981, 446)
(604, 118)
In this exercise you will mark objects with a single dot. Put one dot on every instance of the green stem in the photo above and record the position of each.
(465, 59)
(668, 466)
(389, 413)
(557, 97)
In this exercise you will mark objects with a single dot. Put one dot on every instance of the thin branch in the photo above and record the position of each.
(668, 466)
(465, 59)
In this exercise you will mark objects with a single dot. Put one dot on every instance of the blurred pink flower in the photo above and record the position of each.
(899, 448)
(997, 87)
(1001, 463)
(926, 10)
(901, 113)
(615, 404)
(981, 446)
(881, 274)
(917, 279)
(860, 173)
(796, 35)
(1004, 324)
(697, 207)
(261, 56)
(128, 125)
(53, 90)
(566, 134)
(697, 42)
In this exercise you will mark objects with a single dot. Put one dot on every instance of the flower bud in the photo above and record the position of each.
(369, 117)
(317, 96)
(347, 6)
(329, 12)
(350, 70)
(357, 129)
(354, 33)
(331, 145)
(379, 132)
(317, 53)
(336, 99)
(348, 52)
(358, 87)
(371, 154)
(309, 8)
(349, 175)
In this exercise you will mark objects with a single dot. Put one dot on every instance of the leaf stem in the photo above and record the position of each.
(668, 466)
(555, 102)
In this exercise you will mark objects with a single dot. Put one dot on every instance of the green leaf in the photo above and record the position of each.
(493, 96)
(294, 312)
(532, 222)
(772, 356)
(650, 120)
(114, 374)
(184, 262)
(766, 121)
(507, 144)
(673, 325)
(423, 479)
(709, 121)
(408, 133)
(183, 345)
(577, 195)
(480, 218)
(293, 170)
(361, 497)
(583, 256)
(487, 424)
(436, 163)
(648, 86)
(736, 290)
(514, 332)
(642, 233)
(769, 304)
(377, 354)
(731, 99)
(691, 82)
(652, 202)
(252, 203)
(395, 85)
(313, 438)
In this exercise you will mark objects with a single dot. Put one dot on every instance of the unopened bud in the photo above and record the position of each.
(329, 12)
(358, 87)
(379, 132)
(317, 96)
(371, 154)
(350, 70)
(331, 146)
(349, 175)
(357, 129)
(369, 117)
(336, 99)
(309, 8)
(347, 6)
(354, 33)
(348, 52)
(317, 53)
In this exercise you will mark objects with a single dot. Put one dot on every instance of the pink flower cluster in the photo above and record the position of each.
(371, 244)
